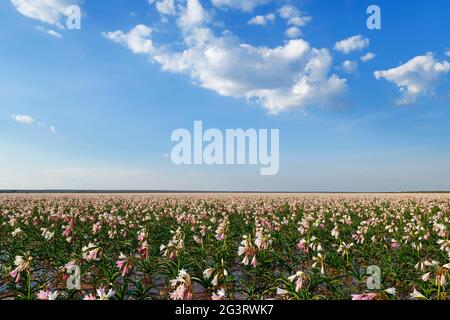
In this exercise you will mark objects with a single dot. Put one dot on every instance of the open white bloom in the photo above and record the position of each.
(53, 295)
(17, 232)
(220, 295)
(175, 245)
(417, 295)
(391, 291)
(90, 252)
(299, 278)
(344, 248)
(282, 292)
(426, 276)
(335, 232)
(47, 295)
(182, 285)
(319, 259)
(47, 234)
(19, 261)
(103, 295)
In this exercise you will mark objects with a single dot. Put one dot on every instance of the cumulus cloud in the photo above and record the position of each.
(245, 5)
(292, 75)
(50, 32)
(262, 20)
(22, 118)
(47, 11)
(295, 19)
(417, 77)
(166, 7)
(137, 40)
(193, 15)
(27, 119)
(447, 53)
(293, 16)
(55, 34)
(354, 43)
(349, 66)
(293, 32)
(367, 57)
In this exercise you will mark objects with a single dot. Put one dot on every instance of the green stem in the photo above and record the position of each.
(439, 291)
(29, 285)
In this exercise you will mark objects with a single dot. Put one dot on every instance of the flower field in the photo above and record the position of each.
(225, 246)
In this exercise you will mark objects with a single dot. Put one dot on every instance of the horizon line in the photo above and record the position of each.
(150, 191)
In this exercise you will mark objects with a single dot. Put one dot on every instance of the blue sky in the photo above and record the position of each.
(95, 107)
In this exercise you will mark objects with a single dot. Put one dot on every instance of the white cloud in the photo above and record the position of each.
(447, 53)
(288, 11)
(27, 119)
(55, 34)
(137, 40)
(166, 7)
(50, 32)
(193, 15)
(293, 16)
(22, 118)
(294, 75)
(262, 20)
(354, 43)
(245, 5)
(367, 57)
(417, 77)
(44, 125)
(48, 11)
(349, 66)
(271, 17)
(293, 32)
